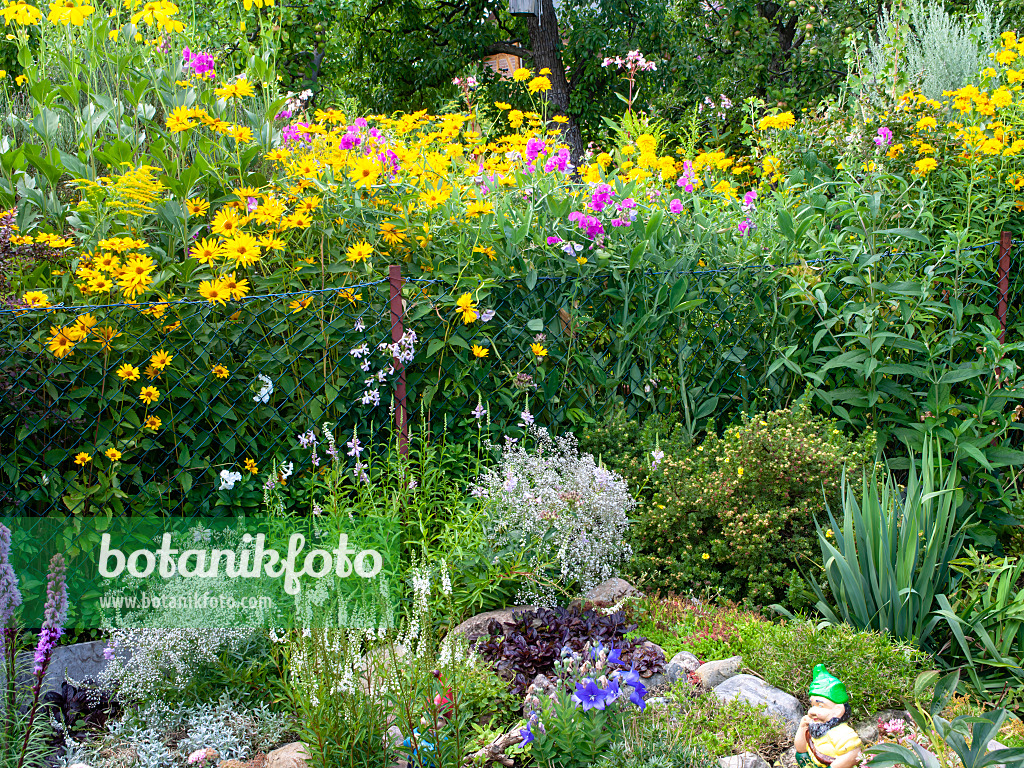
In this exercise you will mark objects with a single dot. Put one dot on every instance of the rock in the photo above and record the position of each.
(769, 698)
(76, 662)
(228, 764)
(477, 626)
(78, 765)
(682, 664)
(677, 668)
(611, 591)
(292, 755)
(788, 758)
(395, 736)
(657, 701)
(743, 760)
(715, 673)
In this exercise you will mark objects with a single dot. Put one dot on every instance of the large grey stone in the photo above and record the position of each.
(743, 760)
(714, 673)
(611, 591)
(292, 755)
(476, 627)
(74, 663)
(767, 697)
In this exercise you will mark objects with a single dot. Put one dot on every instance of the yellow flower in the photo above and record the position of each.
(479, 351)
(20, 80)
(82, 459)
(180, 120)
(36, 299)
(220, 371)
(361, 251)
(705, 556)
(739, 472)
(539, 350)
(21, 13)
(581, 260)
(781, 121)
(243, 248)
(236, 288)
(926, 123)
(149, 395)
(477, 208)
(206, 251)
(467, 307)
(152, 422)
(112, 453)
(61, 341)
(521, 75)
(213, 292)
(365, 171)
(67, 12)
(251, 467)
(298, 305)
(128, 372)
(541, 84)
(161, 360)
(925, 165)
(829, 534)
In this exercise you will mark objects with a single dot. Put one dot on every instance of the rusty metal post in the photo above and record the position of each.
(397, 331)
(1005, 245)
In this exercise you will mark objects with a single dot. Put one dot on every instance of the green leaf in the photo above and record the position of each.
(536, 325)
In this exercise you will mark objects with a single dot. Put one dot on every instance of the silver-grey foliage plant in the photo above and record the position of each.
(568, 512)
(937, 51)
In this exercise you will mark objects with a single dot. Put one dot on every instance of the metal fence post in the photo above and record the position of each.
(1005, 246)
(397, 331)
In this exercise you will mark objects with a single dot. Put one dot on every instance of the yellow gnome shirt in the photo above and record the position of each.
(838, 741)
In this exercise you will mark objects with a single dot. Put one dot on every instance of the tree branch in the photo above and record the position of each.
(512, 50)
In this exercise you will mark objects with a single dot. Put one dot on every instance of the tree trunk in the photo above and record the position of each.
(546, 44)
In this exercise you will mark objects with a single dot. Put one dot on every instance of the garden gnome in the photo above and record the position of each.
(824, 739)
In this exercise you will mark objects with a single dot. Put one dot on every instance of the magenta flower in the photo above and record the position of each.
(676, 205)
(884, 137)
(745, 227)
(554, 240)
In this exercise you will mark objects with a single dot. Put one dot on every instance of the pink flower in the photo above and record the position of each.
(676, 206)
(554, 240)
(744, 227)
(884, 137)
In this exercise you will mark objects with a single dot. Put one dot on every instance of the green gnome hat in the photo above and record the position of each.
(825, 685)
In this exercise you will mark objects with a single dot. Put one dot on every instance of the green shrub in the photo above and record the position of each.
(677, 624)
(737, 513)
(728, 727)
(625, 445)
(879, 672)
(655, 750)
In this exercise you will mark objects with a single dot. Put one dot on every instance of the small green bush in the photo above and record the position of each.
(879, 672)
(736, 514)
(728, 727)
(626, 446)
(706, 630)
(656, 750)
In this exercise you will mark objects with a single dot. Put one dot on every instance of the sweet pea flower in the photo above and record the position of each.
(676, 205)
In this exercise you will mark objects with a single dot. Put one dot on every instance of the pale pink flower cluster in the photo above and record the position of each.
(634, 61)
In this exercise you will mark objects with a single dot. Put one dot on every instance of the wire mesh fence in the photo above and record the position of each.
(182, 406)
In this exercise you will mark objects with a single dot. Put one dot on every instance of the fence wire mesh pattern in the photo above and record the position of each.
(183, 406)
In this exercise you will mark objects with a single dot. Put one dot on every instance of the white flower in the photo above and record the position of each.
(228, 479)
(287, 469)
(263, 396)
